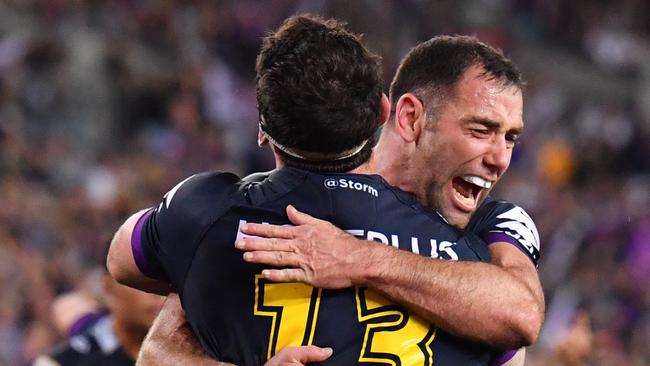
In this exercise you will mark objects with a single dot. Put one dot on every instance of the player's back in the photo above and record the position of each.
(240, 317)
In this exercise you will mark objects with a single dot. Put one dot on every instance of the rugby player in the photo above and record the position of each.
(105, 338)
(270, 193)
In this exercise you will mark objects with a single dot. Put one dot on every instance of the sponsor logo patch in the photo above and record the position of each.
(334, 183)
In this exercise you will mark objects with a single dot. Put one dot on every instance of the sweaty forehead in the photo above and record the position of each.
(478, 97)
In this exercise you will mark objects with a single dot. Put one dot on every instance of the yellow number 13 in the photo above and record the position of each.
(392, 335)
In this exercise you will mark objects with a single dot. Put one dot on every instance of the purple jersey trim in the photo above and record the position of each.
(505, 357)
(498, 237)
(138, 252)
(83, 323)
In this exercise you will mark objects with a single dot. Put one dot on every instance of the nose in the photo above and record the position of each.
(497, 158)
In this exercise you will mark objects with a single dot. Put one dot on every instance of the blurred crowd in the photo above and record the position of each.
(104, 105)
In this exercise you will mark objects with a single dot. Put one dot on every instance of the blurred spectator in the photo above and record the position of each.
(109, 334)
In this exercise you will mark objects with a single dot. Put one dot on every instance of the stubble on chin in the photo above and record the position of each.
(435, 201)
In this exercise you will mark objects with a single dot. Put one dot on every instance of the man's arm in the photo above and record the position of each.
(500, 304)
(171, 342)
(121, 263)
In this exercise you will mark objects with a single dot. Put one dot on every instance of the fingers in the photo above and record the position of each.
(253, 244)
(280, 231)
(285, 275)
(303, 222)
(267, 230)
(272, 258)
(299, 355)
(300, 218)
(313, 354)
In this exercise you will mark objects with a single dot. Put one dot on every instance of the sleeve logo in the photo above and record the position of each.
(170, 195)
(520, 226)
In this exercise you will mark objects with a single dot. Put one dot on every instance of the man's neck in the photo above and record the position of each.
(391, 162)
(365, 168)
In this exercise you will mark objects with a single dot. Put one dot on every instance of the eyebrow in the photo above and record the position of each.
(489, 123)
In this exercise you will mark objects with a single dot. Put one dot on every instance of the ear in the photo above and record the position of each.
(261, 138)
(409, 117)
(384, 109)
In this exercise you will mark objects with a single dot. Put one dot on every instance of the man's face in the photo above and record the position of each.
(466, 150)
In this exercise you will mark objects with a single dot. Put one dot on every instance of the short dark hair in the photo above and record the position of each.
(432, 68)
(318, 90)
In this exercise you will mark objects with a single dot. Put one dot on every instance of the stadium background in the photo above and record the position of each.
(105, 104)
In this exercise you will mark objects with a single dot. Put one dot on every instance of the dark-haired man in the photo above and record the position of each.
(377, 331)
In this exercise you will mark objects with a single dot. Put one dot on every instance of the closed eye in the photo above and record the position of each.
(481, 132)
(512, 139)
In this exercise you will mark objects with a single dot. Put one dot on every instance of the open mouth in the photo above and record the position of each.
(467, 190)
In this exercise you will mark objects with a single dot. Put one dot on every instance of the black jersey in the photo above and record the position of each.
(96, 345)
(239, 317)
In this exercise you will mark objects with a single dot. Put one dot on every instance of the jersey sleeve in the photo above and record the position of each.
(166, 237)
(499, 359)
(501, 221)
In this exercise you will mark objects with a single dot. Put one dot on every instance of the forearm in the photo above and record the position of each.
(499, 304)
(473, 300)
